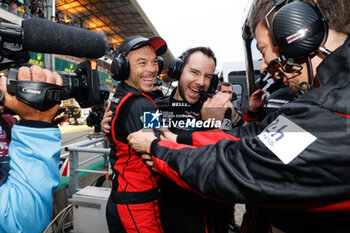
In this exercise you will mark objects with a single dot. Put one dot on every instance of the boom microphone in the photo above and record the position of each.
(40, 35)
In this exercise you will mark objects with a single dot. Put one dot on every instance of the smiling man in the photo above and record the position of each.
(133, 203)
(199, 67)
(181, 210)
(194, 70)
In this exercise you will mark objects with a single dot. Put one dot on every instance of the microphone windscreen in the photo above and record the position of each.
(40, 35)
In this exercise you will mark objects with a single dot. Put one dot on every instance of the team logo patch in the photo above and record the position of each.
(286, 139)
(151, 120)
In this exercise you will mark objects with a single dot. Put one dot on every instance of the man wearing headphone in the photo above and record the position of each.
(181, 210)
(133, 203)
(291, 157)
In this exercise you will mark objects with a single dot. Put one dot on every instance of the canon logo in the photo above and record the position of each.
(32, 91)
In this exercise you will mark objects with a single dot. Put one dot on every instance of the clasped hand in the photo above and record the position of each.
(140, 142)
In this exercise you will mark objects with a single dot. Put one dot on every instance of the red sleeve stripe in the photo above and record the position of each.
(210, 137)
(342, 114)
(249, 119)
(119, 106)
(341, 206)
(116, 115)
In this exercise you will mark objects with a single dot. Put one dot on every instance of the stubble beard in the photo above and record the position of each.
(293, 86)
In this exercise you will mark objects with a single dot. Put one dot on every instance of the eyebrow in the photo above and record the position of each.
(145, 59)
(193, 69)
(140, 58)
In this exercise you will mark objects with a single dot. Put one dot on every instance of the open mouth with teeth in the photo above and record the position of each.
(148, 79)
(194, 90)
(147, 84)
(193, 93)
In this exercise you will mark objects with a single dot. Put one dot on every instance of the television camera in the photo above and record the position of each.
(83, 85)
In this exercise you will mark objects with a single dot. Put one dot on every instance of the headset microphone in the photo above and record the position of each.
(206, 94)
(202, 93)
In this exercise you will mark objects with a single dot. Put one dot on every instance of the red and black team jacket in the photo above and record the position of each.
(297, 157)
(128, 106)
(133, 203)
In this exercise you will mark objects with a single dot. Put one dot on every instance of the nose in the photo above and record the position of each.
(200, 81)
(263, 65)
(152, 67)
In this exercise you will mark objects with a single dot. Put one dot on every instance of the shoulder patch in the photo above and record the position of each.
(286, 139)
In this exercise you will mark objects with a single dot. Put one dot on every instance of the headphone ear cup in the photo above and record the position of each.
(298, 29)
(214, 82)
(175, 68)
(160, 65)
(120, 68)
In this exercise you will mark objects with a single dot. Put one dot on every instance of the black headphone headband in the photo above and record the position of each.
(120, 67)
(297, 28)
(176, 66)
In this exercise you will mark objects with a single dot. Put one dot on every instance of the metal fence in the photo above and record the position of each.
(74, 169)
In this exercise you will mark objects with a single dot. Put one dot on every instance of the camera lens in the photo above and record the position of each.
(70, 85)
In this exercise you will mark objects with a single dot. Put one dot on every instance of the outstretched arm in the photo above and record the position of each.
(249, 171)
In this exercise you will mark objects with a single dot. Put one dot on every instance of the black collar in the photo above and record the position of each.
(338, 62)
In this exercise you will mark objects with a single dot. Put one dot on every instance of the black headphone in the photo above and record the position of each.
(160, 65)
(297, 28)
(176, 67)
(120, 67)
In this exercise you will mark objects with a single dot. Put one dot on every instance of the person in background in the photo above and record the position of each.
(157, 89)
(6, 123)
(157, 85)
(227, 88)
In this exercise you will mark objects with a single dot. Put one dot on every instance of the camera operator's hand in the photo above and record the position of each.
(34, 73)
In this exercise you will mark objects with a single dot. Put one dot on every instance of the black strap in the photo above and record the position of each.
(135, 197)
(4, 168)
